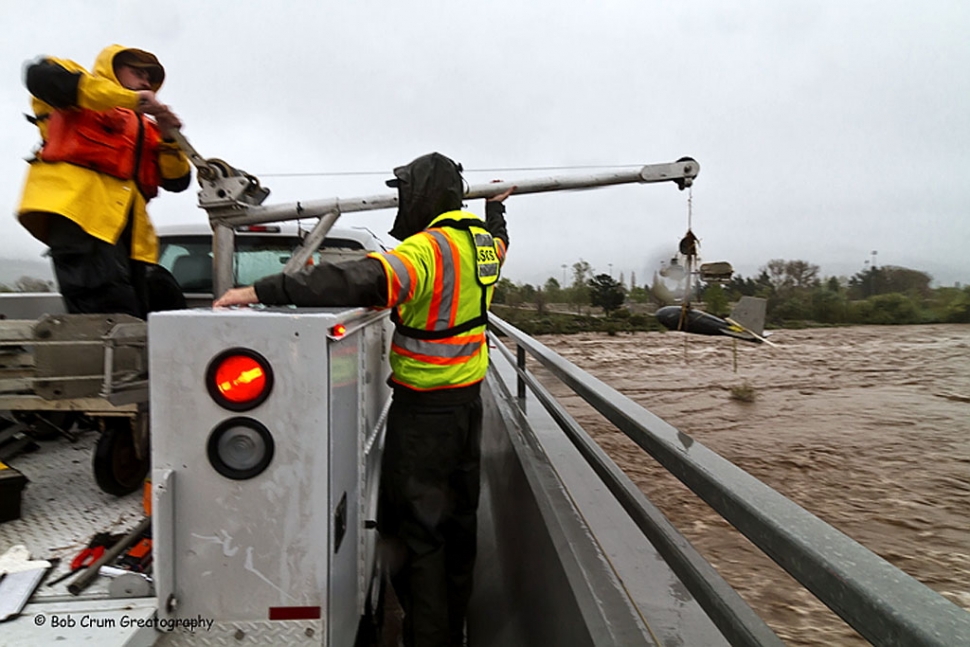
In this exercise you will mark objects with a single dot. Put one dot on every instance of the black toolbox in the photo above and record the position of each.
(12, 484)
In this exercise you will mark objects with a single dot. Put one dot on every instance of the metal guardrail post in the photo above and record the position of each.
(520, 383)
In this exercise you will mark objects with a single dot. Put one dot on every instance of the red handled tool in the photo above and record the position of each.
(94, 550)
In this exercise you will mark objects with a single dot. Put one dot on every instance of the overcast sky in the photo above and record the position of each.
(824, 130)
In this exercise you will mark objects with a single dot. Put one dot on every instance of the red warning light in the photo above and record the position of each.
(338, 331)
(256, 229)
(239, 379)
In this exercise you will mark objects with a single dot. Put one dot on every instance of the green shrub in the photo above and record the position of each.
(743, 393)
(884, 309)
(640, 322)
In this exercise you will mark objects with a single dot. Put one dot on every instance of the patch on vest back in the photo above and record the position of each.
(485, 257)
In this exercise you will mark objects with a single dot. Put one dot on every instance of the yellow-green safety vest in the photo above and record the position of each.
(440, 283)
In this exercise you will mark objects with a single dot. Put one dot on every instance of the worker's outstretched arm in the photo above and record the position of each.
(174, 167)
(351, 283)
(495, 221)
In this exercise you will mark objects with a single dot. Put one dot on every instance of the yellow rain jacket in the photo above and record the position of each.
(98, 203)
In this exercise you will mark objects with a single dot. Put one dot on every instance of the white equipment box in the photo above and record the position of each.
(267, 429)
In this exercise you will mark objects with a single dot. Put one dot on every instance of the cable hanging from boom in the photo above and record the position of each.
(470, 170)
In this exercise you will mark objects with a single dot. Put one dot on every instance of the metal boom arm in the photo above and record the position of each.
(223, 199)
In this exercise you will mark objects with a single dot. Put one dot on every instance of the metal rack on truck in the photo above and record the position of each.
(59, 367)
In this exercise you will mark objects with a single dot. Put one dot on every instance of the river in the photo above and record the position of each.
(866, 427)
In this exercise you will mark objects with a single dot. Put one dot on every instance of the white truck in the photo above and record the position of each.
(267, 429)
(51, 366)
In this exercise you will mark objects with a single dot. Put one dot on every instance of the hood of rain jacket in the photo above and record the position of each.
(427, 187)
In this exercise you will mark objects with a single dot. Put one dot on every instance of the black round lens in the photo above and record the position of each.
(240, 448)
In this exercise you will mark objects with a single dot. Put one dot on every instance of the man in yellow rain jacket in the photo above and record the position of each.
(439, 282)
(104, 154)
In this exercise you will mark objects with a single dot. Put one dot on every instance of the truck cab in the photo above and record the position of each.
(186, 252)
(260, 250)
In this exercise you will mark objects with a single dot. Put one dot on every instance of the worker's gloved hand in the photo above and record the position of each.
(237, 297)
(149, 104)
(501, 196)
(167, 121)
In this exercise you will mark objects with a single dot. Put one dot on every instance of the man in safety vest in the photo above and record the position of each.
(101, 160)
(439, 282)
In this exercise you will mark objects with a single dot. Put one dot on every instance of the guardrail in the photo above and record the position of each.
(884, 604)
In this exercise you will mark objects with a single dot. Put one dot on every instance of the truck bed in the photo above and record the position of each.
(61, 509)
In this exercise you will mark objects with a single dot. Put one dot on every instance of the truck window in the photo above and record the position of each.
(189, 258)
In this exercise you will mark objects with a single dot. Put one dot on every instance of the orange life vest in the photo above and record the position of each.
(117, 142)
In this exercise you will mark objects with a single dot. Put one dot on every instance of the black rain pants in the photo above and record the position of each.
(94, 276)
(428, 508)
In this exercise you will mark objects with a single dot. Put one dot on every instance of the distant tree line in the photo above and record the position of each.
(586, 290)
(527, 306)
(796, 293)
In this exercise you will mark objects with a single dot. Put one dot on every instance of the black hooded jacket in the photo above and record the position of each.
(427, 187)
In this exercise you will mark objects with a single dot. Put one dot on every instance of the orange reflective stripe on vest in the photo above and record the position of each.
(500, 249)
(444, 301)
(401, 279)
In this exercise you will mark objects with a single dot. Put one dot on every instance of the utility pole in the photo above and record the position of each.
(876, 287)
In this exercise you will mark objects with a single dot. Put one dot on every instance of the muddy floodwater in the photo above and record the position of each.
(866, 427)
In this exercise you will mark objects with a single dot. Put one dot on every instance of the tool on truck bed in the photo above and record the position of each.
(89, 573)
(91, 553)
(138, 558)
